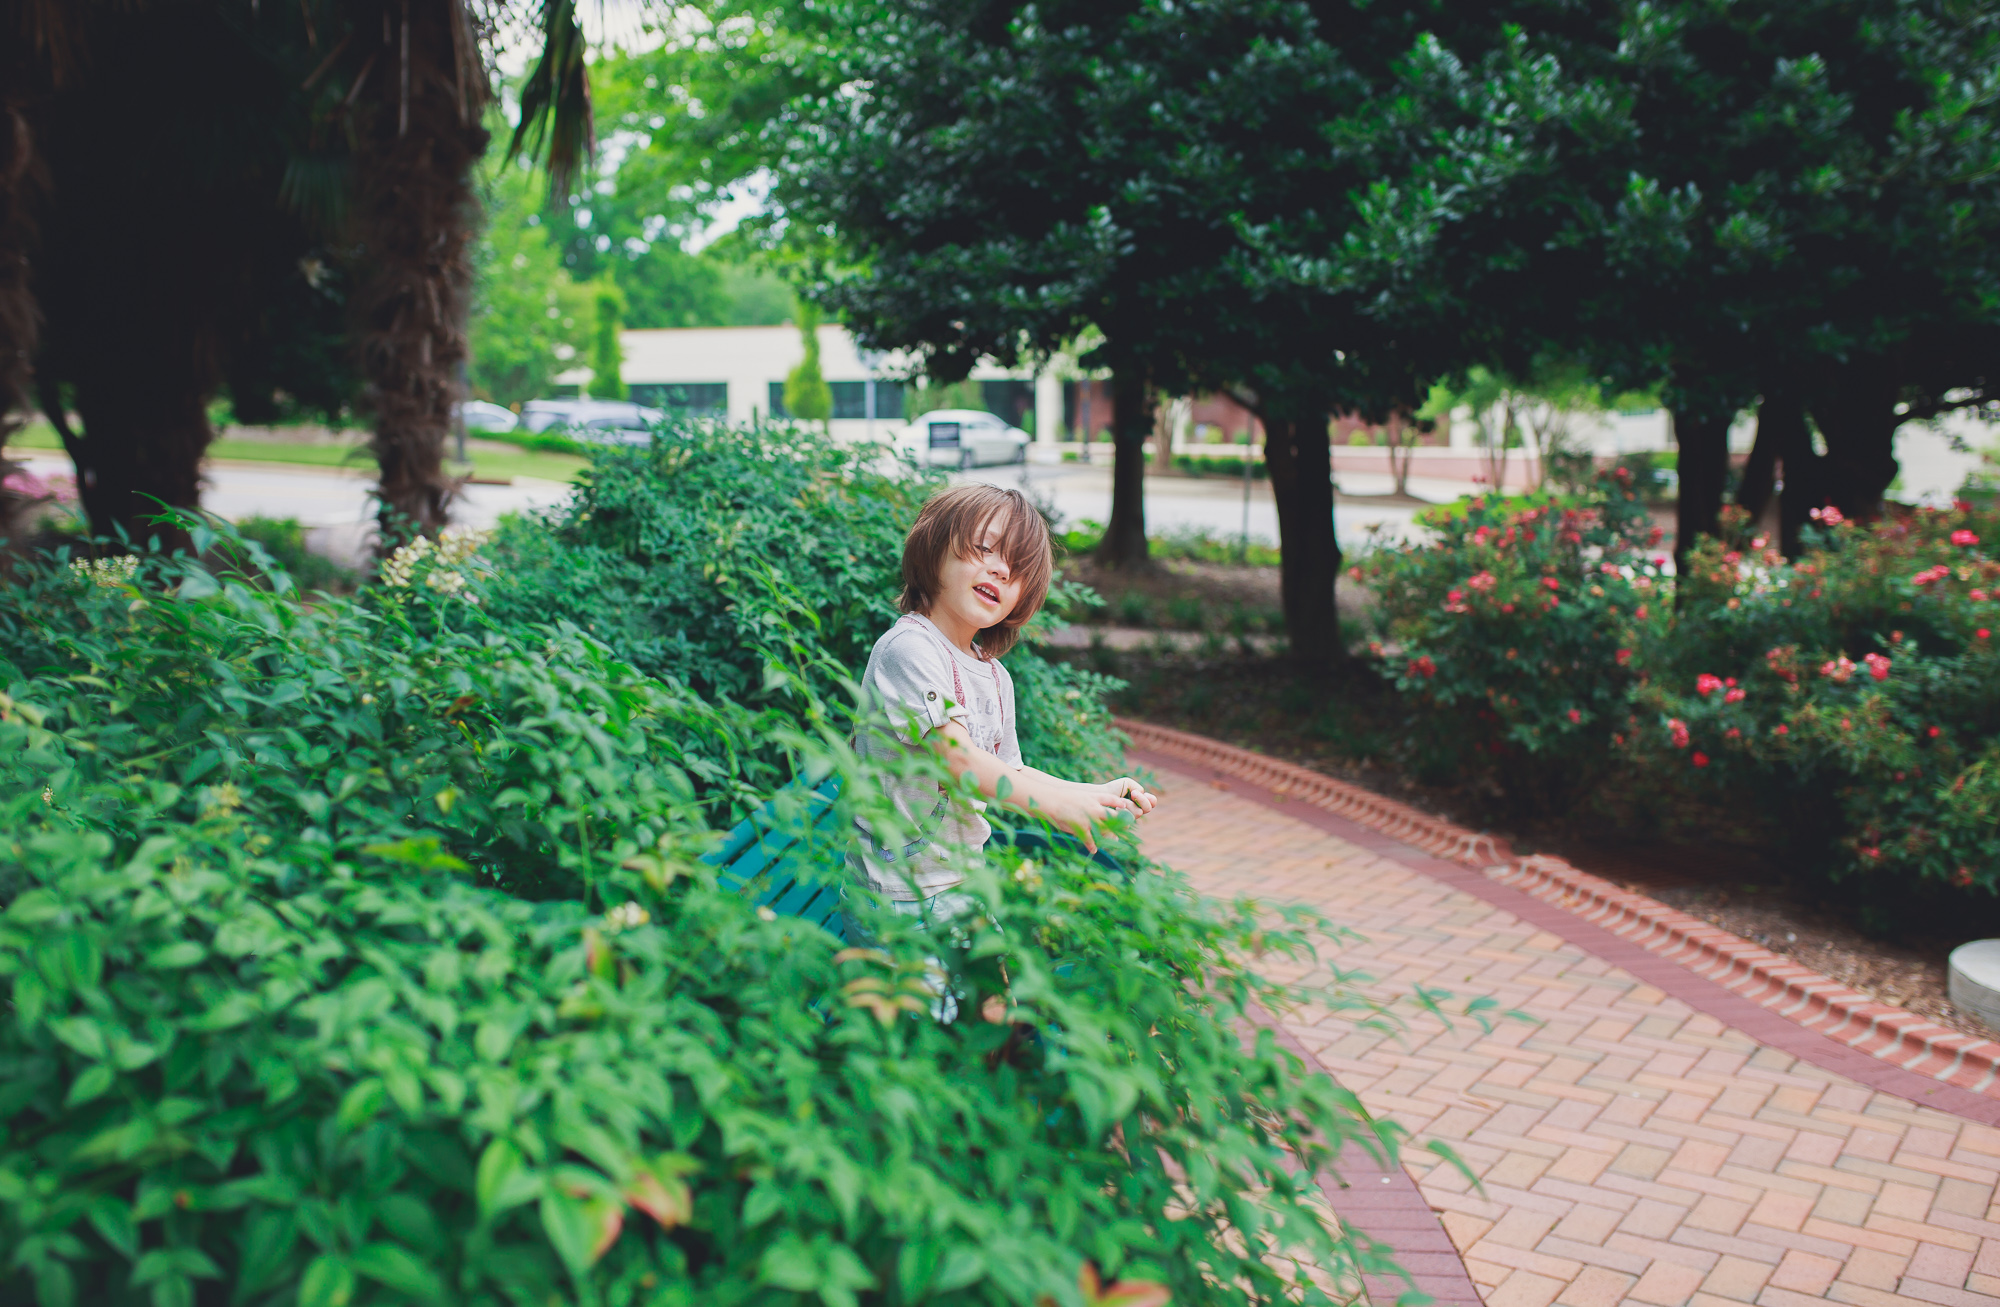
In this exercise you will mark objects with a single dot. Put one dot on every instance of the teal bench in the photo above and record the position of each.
(762, 856)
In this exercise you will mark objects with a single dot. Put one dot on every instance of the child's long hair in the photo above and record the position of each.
(947, 526)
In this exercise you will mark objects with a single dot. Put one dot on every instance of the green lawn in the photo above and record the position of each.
(491, 460)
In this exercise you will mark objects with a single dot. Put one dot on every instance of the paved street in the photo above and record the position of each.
(1628, 1148)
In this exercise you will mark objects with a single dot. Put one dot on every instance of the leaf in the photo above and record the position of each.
(82, 1034)
(328, 1282)
(361, 1103)
(91, 1084)
(581, 1230)
(399, 1269)
(111, 1217)
(503, 1180)
(657, 1189)
(173, 957)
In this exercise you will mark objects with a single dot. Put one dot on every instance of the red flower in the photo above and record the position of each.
(1828, 516)
(1705, 684)
(1840, 670)
(1735, 695)
(1699, 759)
(1677, 731)
(1781, 729)
(1982, 633)
(1422, 666)
(1932, 732)
(1976, 595)
(1930, 574)
(1964, 537)
(1624, 657)
(1575, 717)
(1482, 582)
(1732, 734)
(1878, 666)
(1962, 877)
(1640, 612)
(1551, 583)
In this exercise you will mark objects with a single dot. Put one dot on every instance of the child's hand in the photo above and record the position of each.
(1125, 795)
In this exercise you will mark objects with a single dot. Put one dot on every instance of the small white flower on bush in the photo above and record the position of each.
(626, 916)
(450, 558)
(107, 572)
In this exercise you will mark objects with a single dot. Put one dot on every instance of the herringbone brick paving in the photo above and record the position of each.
(1629, 1148)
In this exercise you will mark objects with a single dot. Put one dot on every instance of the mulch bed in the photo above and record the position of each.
(1263, 704)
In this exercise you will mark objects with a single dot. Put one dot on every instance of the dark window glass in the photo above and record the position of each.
(699, 399)
(1010, 401)
(889, 400)
(778, 409)
(850, 399)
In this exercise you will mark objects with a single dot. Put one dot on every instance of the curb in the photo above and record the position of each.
(1796, 993)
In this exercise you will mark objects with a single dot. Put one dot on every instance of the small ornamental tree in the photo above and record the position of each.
(607, 356)
(807, 396)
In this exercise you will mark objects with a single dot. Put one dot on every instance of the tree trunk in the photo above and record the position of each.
(1855, 408)
(1299, 457)
(18, 318)
(140, 449)
(1124, 543)
(419, 139)
(1703, 436)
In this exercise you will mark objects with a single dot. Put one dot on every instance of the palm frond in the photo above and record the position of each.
(555, 101)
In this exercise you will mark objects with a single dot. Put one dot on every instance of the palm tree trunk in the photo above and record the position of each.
(419, 139)
(19, 321)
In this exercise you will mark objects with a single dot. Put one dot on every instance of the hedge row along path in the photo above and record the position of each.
(1651, 1137)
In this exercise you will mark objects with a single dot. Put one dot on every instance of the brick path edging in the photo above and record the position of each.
(1901, 1039)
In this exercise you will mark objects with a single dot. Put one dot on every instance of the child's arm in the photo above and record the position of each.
(1074, 806)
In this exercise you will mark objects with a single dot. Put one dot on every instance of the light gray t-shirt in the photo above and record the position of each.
(910, 689)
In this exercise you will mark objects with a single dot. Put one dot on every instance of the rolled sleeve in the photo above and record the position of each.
(910, 680)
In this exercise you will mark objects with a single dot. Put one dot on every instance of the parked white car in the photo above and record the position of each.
(962, 437)
(479, 415)
(591, 419)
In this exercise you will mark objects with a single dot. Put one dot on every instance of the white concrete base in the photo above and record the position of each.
(1975, 980)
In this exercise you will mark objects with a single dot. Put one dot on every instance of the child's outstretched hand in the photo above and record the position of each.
(1126, 795)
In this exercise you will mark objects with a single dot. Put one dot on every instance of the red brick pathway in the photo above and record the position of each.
(1631, 1147)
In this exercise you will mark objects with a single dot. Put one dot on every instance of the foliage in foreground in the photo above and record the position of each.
(759, 564)
(357, 954)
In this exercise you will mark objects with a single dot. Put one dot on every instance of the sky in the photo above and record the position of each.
(634, 25)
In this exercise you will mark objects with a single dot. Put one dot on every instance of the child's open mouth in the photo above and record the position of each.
(986, 592)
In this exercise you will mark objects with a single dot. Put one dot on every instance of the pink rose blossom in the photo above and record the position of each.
(1964, 537)
(1878, 666)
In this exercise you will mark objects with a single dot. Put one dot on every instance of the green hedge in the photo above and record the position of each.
(759, 564)
(357, 952)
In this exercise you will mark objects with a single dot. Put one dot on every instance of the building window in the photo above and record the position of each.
(850, 399)
(697, 399)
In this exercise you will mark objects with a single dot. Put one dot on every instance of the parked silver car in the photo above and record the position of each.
(962, 437)
(598, 419)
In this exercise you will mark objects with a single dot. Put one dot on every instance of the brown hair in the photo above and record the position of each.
(947, 524)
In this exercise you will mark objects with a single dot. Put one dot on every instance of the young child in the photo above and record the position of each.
(975, 568)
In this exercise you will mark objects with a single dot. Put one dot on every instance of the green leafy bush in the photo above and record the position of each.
(358, 954)
(1852, 692)
(1510, 634)
(757, 564)
(284, 539)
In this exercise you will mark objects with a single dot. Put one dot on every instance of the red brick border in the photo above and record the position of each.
(1899, 1040)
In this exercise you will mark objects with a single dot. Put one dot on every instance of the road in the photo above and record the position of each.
(1076, 493)
(333, 504)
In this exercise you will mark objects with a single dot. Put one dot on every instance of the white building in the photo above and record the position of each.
(739, 373)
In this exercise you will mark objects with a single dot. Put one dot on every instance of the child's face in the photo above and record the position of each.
(978, 589)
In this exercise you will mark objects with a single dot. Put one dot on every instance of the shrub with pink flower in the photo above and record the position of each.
(1964, 538)
(1528, 610)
